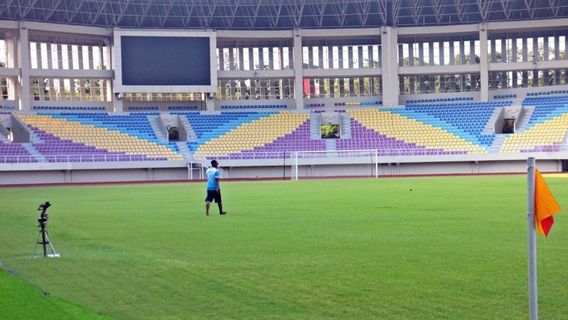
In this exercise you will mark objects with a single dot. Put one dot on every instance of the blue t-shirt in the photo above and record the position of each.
(212, 175)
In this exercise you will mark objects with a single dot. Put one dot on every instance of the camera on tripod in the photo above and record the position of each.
(43, 217)
(43, 237)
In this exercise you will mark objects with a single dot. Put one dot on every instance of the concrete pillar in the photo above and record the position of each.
(504, 50)
(23, 88)
(231, 59)
(565, 48)
(431, 53)
(462, 52)
(118, 104)
(12, 51)
(101, 61)
(483, 63)
(360, 56)
(493, 51)
(12, 62)
(261, 58)
(545, 49)
(209, 103)
(320, 58)
(330, 57)
(107, 62)
(91, 58)
(421, 53)
(298, 70)
(441, 49)
(221, 59)
(535, 50)
(471, 52)
(350, 58)
(389, 39)
(452, 54)
(241, 60)
(556, 47)
(340, 56)
(331, 87)
(514, 50)
(411, 54)
(291, 58)
(270, 58)
(80, 59)
(401, 56)
(49, 60)
(524, 51)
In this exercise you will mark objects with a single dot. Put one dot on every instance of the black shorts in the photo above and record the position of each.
(213, 195)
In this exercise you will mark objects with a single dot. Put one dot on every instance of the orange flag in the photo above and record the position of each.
(545, 206)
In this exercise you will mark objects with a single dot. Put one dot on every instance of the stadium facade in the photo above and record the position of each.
(430, 85)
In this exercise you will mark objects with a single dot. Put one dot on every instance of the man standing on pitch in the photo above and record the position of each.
(213, 190)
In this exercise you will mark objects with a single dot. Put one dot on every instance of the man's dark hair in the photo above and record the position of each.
(214, 163)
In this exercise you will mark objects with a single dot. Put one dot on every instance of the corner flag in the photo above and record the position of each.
(541, 208)
(545, 206)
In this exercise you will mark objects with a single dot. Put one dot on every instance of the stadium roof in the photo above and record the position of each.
(277, 14)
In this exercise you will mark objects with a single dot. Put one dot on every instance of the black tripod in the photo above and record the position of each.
(43, 237)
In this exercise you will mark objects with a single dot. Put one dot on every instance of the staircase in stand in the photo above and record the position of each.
(315, 126)
(345, 127)
(158, 127)
(191, 135)
(34, 152)
(183, 149)
(524, 119)
(498, 142)
(490, 126)
(330, 144)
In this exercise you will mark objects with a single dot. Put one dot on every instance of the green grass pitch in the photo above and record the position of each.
(452, 248)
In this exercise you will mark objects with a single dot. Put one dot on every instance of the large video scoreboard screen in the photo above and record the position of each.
(153, 61)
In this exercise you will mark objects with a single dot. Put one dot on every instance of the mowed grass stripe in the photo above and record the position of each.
(19, 300)
(452, 248)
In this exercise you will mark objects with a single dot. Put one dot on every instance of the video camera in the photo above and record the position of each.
(43, 215)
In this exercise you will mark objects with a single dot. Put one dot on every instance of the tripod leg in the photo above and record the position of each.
(53, 253)
(45, 240)
(35, 247)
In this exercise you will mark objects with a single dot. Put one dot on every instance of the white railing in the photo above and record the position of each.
(281, 155)
(85, 158)
(253, 156)
(323, 154)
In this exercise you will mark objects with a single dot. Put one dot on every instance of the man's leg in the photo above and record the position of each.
(220, 203)
(207, 205)
(221, 208)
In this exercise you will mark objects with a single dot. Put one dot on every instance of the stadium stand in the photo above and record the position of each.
(315, 105)
(255, 106)
(547, 127)
(14, 153)
(429, 128)
(258, 133)
(108, 134)
(143, 108)
(71, 108)
(505, 96)
(210, 126)
(430, 100)
(409, 133)
(358, 103)
(546, 93)
(466, 120)
(183, 108)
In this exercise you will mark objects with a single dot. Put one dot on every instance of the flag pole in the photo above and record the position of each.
(533, 303)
